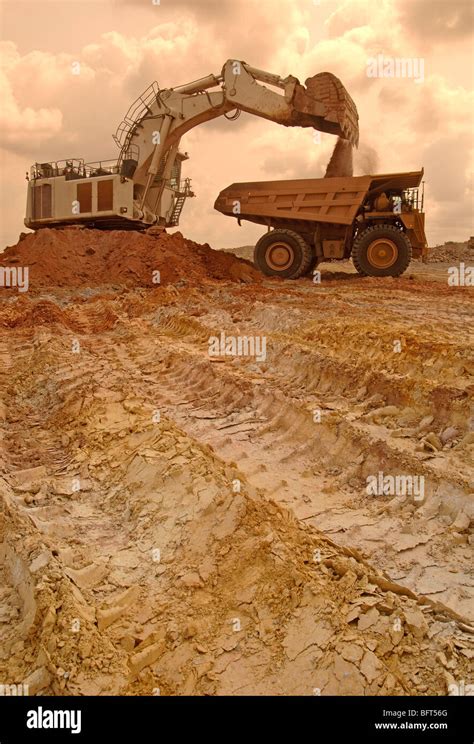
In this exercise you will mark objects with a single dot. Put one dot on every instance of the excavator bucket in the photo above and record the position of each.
(326, 99)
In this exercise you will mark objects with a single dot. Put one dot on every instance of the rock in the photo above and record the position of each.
(148, 656)
(448, 434)
(230, 643)
(49, 621)
(191, 630)
(424, 423)
(126, 598)
(66, 485)
(127, 642)
(351, 652)
(109, 616)
(347, 679)
(41, 561)
(461, 523)
(396, 635)
(38, 680)
(192, 580)
(433, 440)
(382, 412)
(467, 439)
(353, 614)
(385, 606)
(441, 657)
(106, 617)
(370, 617)
(172, 632)
(88, 576)
(394, 505)
(370, 666)
(148, 639)
(85, 648)
(404, 432)
(29, 479)
(416, 622)
(304, 631)
(388, 685)
(405, 541)
(430, 508)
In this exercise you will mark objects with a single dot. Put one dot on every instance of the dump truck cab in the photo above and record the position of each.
(378, 220)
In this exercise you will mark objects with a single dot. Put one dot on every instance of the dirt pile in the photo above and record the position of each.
(242, 251)
(74, 257)
(452, 251)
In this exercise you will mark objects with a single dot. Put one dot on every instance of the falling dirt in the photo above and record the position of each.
(340, 164)
(175, 523)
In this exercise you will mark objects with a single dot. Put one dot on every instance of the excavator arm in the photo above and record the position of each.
(152, 135)
(144, 186)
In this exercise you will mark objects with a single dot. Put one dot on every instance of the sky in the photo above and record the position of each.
(48, 112)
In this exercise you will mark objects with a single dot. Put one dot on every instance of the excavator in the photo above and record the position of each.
(143, 188)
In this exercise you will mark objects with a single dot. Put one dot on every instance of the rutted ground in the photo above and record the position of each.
(200, 525)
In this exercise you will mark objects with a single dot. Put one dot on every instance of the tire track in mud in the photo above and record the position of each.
(445, 394)
(107, 484)
(453, 585)
(245, 426)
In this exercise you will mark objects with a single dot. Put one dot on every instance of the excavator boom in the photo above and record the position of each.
(146, 186)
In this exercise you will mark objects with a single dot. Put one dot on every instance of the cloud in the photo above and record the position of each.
(25, 128)
(440, 21)
(445, 168)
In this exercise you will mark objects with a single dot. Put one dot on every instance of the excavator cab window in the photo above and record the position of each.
(45, 170)
(129, 161)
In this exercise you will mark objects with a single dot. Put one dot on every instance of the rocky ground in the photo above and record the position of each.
(180, 523)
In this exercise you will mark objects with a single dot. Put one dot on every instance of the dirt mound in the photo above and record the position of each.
(242, 251)
(452, 251)
(70, 258)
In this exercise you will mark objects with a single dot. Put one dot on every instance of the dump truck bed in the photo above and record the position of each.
(330, 200)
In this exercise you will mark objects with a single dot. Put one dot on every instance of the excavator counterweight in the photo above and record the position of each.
(143, 187)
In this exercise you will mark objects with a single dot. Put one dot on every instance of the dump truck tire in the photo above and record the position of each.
(381, 250)
(283, 253)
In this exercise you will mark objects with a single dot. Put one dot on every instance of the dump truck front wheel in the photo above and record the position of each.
(283, 253)
(381, 250)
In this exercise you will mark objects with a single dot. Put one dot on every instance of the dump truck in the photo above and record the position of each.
(144, 187)
(377, 220)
